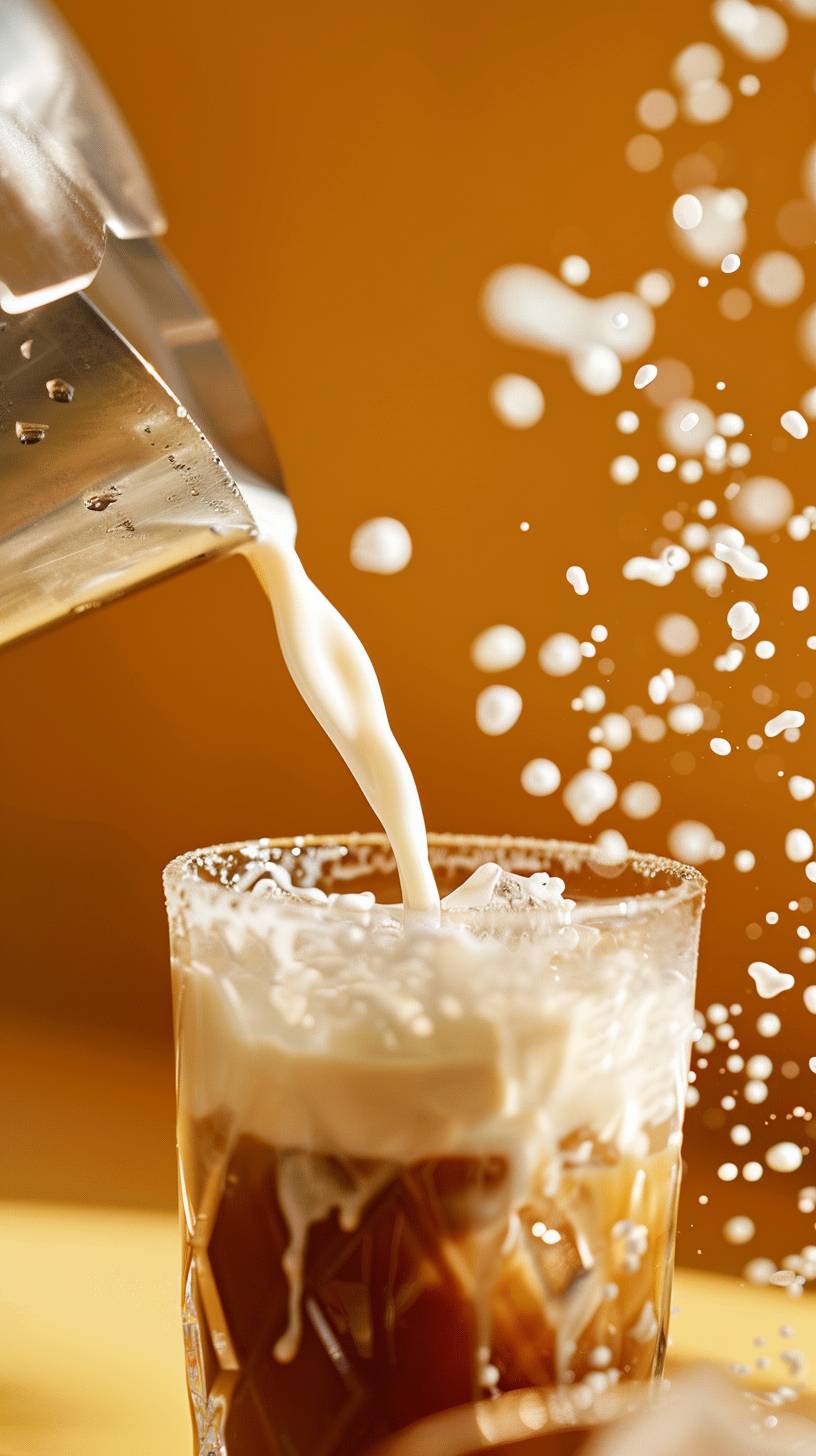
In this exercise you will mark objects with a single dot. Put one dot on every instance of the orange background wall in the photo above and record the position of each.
(340, 182)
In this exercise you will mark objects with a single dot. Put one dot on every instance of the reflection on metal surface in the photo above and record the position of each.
(122, 487)
(47, 80)
(53, 236)
(150, 302)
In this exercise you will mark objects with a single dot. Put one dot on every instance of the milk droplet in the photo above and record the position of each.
(577, 578)
(645, 374)
(795, 424)
(624, 469)
(574, 270)
(540, 777)
(784, 1157)
(744, 861)
(627, 422)
(677, 634)
(589, 794)
(687, 211)
(640, 800)
(560, 655)
(728, 1172)
(720, 746)
(800, 598)
(778, 279)
(743, 619)
(497, 709)
(755, 30)
(788, 718)
(730, 263)
(517, 401)
(739, 1230)
(768, 980)
(763, 505)
(497, 649)
(685, 718)
(809, 998)
(381, 545)
(611, 846)
(691, 841)
(798, 846)
(742, 563)
(689, 421)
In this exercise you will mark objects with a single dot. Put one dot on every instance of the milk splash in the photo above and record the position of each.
(709, 224)
(335, 675)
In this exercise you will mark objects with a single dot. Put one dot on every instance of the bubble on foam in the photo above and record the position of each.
(529, 306)
(497, 648)
(720, 227)
(560, 654)
(798, 846)
(763, 505)
(794, 423)
(756, 31)
(640, 800)
(540, 777)
(498, 708)
(381, 545)
(783, 722)
(777, 278)
(588, 795)
(768, 980)
(517, 400)
(784, 1157)
(577, 578)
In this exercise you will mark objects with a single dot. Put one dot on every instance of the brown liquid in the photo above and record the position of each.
(397, 1312)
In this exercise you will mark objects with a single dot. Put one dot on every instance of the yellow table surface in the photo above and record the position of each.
(90, 1343)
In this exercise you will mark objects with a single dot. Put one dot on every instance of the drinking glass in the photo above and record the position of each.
(428, 1173)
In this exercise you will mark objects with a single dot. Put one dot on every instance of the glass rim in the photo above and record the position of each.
(687, 885)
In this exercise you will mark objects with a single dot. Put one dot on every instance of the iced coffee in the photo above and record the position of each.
(424, 1166)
